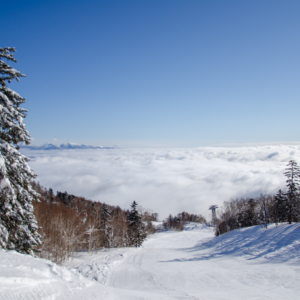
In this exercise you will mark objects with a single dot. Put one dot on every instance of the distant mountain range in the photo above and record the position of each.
(66, 146)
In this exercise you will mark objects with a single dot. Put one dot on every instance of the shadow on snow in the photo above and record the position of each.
(275, 244)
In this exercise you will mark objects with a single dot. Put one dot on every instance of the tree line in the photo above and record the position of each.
(68, 223)
(284, 206)
(177, 222)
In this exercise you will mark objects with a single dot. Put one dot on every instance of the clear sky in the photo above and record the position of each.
(157, 72)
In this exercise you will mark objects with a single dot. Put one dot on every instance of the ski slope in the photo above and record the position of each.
(251, 263)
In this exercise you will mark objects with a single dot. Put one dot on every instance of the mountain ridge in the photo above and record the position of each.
(65, 146)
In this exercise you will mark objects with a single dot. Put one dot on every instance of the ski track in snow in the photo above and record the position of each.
(250, 264)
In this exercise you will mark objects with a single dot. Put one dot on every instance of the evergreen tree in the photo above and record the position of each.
(18, 227)
(174, 223)
(106, 226)
(51, 195)
(136, 228)
(280, 207)
(293, 177)
(170, 221)
(248, 214)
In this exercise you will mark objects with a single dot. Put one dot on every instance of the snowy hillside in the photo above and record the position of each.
(249, 263)
(66, 146)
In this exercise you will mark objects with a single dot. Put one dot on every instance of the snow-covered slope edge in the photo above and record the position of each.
(97, 266)
(275, 244)
(25, 277)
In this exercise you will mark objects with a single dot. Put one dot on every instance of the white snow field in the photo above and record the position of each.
(250, 263)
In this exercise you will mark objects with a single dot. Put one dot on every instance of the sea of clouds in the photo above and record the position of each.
(165, 180)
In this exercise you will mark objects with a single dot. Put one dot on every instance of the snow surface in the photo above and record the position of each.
(250, 263)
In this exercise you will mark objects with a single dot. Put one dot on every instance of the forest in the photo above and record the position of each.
(68, 224)
(265, 209)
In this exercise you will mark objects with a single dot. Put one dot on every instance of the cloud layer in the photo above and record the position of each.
(165, 180)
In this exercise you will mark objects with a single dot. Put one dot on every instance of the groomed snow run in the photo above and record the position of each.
(250, 264)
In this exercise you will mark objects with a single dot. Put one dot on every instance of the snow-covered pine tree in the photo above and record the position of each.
(293, 204)
(136, 228)
(18, 226)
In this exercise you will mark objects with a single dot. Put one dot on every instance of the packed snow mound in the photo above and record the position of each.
(25, 277)
(96, 266)
(66, 146)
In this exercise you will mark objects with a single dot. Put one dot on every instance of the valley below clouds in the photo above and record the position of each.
(164, 180)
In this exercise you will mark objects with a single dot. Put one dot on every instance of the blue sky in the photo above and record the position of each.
(157, 73)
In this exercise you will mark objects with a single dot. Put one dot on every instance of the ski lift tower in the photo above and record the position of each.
(214, 215)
